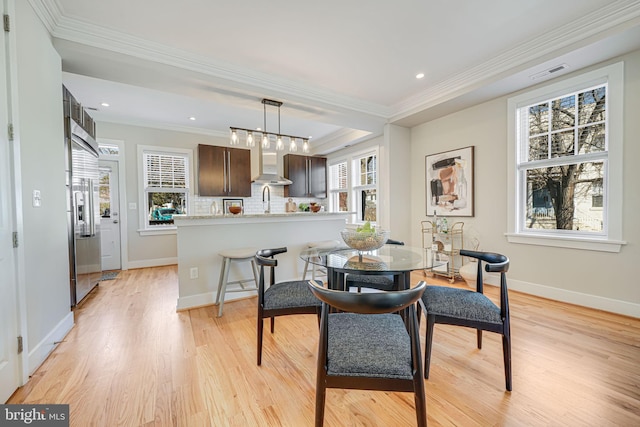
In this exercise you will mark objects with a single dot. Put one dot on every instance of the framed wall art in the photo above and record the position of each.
(449, 182)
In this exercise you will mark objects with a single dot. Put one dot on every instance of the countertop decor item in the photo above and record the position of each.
(291, 206)
(315, 208)
(232, 206)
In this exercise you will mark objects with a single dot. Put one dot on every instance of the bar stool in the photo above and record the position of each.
(236, 255)
(323, 244)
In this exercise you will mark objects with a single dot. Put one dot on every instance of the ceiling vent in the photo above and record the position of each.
(549, 71)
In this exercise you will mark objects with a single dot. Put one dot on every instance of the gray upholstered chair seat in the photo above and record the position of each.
(460, 303)
(370, 345)
(370, 281)
(290, 294)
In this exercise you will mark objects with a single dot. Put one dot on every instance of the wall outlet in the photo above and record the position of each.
(193, 273)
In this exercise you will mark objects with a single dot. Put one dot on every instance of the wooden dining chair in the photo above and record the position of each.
(366, 344)
(280, 299)
(464, 307)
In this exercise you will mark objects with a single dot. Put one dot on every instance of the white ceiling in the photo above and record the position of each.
(342, 68)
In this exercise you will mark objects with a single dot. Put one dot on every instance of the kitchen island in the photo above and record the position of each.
(200, 238)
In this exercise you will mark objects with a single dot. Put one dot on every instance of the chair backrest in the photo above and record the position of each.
(368, 302)
(494, 263)
(265, 258)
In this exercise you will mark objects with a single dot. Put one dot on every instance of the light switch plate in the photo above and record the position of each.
(37, 199)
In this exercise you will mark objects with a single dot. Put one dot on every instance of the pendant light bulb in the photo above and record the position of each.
(265, 141)
(279, 144)
(234, 137)
(305, 146)
(293, 147)
(250, 142)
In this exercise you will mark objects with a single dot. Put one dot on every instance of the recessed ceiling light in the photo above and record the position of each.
(258, 128)
(192, 118)
(419, 75)
(105, 104)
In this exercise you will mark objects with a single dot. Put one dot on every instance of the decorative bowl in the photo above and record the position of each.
(365, 241)
(314, 208)
(235, 209)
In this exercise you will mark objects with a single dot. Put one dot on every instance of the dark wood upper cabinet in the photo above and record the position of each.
(309, 176)
(224, 171)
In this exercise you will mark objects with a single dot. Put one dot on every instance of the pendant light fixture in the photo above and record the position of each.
(265, 136)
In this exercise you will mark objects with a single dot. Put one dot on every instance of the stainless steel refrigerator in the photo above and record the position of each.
(83, 206)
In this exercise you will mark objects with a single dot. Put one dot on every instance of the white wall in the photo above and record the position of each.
(603, 280)
(41, 144)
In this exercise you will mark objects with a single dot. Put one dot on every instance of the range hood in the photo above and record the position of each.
(269, 170)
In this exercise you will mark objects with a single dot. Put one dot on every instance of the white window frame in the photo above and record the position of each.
(611, 238)
(144, 228)
(334, 191)
(352, 160)
(356, 188)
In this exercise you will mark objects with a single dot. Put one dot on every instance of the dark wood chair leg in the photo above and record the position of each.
(273, 324)
(479, 333)
(420, 400)
(321, 393)
(260, 328)
(431, 321)
(506, 352)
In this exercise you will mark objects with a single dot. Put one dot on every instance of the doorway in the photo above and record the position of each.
(110, 222)
(10, 363)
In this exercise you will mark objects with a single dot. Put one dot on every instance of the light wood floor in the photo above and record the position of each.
(132, 360)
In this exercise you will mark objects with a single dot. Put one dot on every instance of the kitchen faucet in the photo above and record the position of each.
(268, 191)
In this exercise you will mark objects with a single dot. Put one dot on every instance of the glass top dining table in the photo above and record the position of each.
(396, 260)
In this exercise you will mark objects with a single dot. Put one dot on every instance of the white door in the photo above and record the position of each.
(9, 359)
(110, 213)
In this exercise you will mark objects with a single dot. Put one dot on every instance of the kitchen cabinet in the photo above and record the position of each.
(224, 171)
(308, 174)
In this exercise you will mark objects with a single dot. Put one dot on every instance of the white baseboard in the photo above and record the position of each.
(209, 298)
(157, 262)
(42, 350)
(593, 301)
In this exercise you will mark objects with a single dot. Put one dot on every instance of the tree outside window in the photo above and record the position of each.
(563, 163)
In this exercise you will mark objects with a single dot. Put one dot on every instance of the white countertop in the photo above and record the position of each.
(261, 216)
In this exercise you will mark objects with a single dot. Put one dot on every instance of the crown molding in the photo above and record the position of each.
(612, 17)
(160, 126)
(619, 13)
(49, 12)
(81, 32)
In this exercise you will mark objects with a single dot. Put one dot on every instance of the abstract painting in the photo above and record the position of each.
(449, 182)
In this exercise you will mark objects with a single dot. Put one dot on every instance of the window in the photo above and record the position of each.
(165, 185)
(563, 158)
(104, 187)
(339, 187)
(566, 143)
(353, 186)
(365, 187)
